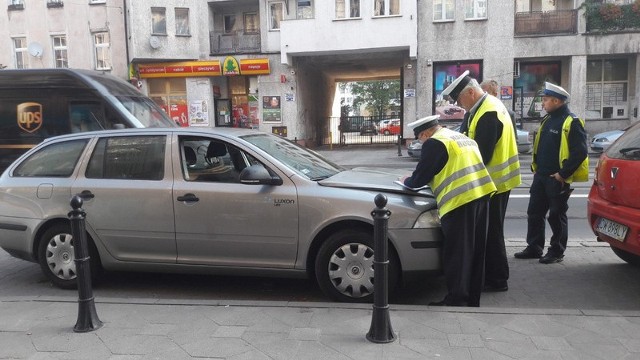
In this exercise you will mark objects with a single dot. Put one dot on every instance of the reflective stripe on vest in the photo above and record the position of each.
(504, 165)
(464, 178)
(582, 172)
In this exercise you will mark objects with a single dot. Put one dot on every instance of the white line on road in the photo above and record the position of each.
(524, 196)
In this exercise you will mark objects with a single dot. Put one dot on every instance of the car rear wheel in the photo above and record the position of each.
(627, 256)
(344, 267)
(56, 257)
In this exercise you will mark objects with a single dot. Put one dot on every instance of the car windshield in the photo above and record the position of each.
(303, 161)
(146, 111)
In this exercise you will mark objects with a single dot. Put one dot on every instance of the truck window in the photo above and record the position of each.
(86, 117)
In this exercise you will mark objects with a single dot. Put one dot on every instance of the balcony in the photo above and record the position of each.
(234, 43)
(545, 23)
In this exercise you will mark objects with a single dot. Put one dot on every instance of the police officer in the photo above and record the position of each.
(559, 158)
(450, 163)
(489, 124)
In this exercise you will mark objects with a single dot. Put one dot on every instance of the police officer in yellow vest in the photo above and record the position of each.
(488, 122)
(560, 157)
(451, 165)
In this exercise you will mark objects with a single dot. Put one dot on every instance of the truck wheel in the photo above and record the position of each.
(344, 267)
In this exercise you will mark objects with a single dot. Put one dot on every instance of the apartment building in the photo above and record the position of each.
(523, 43)
(87, 34)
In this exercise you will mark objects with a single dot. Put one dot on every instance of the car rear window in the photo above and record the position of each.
(55, 160)
(627, 146)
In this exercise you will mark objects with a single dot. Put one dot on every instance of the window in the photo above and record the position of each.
(103, 56)
(182, 21)
(229, 23)
(475, 9)
(128, 157)
(251, 24)
(55, 160)
(16, 5)
(97, 1)
(305, 9)
(386, 7)
(607, 88)
(158, 21)
(20, 48)
(443, 10)
(60, 51)
(54, 3)
(276, 15)
(210, 160)
(347, 9)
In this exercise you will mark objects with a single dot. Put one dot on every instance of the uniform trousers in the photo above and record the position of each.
(465, 238)
(496, 266)
(548, 194)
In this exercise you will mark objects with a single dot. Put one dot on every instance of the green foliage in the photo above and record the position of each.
(378, 96)
(610, 17)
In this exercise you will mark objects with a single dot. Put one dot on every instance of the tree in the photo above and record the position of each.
(377, 96)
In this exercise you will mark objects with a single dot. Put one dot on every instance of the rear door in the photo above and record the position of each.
(127, 196)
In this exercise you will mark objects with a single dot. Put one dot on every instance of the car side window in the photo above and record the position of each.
(210, 160)
(128, 157)
(55, 160)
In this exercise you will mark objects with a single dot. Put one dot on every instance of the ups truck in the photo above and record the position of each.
(39, 103)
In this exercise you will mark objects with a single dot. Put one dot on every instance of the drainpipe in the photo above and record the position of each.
(126, 36)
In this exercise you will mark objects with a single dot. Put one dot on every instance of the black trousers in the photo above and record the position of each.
(548, 194)
(496, 266)
(465, 238)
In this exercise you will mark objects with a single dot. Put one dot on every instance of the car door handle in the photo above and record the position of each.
(188, 198)
(86, 195)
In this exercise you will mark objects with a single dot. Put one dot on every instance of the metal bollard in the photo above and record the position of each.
(87, 316)
(399, 145)
(380, 331)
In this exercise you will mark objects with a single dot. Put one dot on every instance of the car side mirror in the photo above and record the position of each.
(258, 175)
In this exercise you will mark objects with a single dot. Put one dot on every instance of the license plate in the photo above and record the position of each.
(612, 229)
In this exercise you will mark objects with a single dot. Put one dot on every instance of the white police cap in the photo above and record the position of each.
(555, 91)
(423, 124)
(456, 86)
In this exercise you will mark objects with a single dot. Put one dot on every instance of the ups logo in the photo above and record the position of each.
(29, 116)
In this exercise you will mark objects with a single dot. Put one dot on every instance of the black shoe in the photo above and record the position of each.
(446, 302)
(528, 253)
(495, 287)
(550, 258)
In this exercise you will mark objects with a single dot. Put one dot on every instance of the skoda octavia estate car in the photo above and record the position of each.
(226, 201)
(613, 207)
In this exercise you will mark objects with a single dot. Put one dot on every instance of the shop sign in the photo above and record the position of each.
(254, 67)
(230, 66)
(180, 69)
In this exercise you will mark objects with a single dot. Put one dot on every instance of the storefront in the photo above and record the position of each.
(229, 98)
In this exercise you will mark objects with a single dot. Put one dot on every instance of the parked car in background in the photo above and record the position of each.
(217, 200)
(368, 127)
(524, 141)
(382, 123)
(392, 127)
(601, 142)
(613, 206)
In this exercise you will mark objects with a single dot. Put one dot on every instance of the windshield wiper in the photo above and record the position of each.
(628, 150)
(318, 178)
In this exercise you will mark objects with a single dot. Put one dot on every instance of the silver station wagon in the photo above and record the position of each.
(223, 201)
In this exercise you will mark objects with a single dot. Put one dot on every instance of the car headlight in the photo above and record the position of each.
(428, 219)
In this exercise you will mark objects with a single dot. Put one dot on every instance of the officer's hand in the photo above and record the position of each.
(557, 177)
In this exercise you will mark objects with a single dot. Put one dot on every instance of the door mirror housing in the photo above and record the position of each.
(258, 175)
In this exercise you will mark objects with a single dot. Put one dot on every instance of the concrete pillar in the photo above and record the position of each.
(577, 84)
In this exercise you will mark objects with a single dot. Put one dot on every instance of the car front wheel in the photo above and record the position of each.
(56, 257)
(344, 267)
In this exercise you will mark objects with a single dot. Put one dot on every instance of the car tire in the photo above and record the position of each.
(344, 266)
(628, 257)
(56, 257)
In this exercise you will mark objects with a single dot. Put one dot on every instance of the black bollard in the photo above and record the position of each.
(399, 145)
(380, 331)
(87, 316)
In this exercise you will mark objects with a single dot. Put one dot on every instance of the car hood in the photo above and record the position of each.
(610, 135)
(374, 179)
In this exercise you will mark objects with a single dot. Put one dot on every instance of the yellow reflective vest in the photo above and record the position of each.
(464, 178)
(582, 173)
(504, 166)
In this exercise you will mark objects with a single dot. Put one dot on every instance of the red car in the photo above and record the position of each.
(613, 207)
(390, 128)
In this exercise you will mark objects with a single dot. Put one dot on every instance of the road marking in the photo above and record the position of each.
(524, 196)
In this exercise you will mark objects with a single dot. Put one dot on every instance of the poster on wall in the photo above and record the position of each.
(178, 113)
(532, 77)
(253, 111)
(444, 73)
(240, 116)
(271, 111)
(199, 113)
